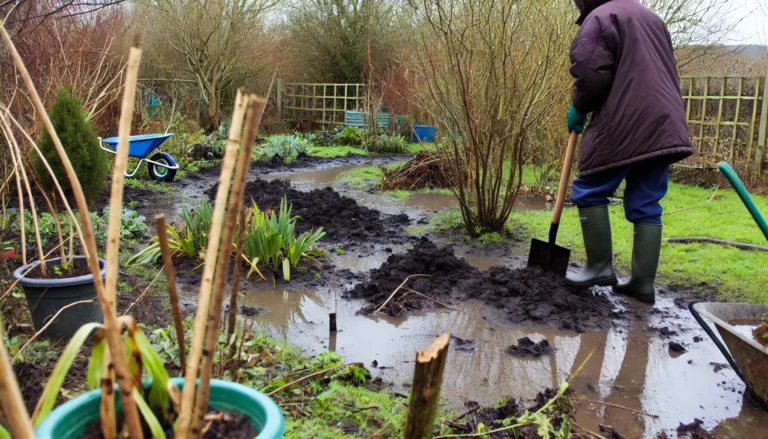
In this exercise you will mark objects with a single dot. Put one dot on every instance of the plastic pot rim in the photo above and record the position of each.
(60, 282)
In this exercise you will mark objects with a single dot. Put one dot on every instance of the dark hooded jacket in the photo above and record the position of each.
(626, 76)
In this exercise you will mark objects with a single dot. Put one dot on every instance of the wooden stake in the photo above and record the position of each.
(427, 379)
(113, 334)
(211, 254)
(332, 322)
(253, 119)
(16, 420)
(170, 279)
(235, 286)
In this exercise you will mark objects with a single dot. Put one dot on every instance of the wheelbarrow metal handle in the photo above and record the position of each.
(705, 326)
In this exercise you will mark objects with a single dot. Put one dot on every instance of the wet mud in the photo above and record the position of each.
(528, 296)
(342, 219)
(526, 347)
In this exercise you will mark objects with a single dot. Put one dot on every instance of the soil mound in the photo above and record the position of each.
(442, 270)
(526, 347)
(533, 295)
(528, 296)
(425, 170)
(341, 218)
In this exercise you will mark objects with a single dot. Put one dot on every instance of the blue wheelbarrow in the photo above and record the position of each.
(161, 166)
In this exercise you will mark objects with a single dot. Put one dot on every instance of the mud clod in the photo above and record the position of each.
(462, 345)
(694, 430)
(526, 347)
(717, 367)
(676, 347)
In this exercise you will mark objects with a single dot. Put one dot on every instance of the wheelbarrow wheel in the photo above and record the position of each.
(161, 173)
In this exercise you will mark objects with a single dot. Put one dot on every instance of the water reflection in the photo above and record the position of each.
(627, 368)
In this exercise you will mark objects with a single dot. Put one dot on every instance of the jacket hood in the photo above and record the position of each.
(586, 7)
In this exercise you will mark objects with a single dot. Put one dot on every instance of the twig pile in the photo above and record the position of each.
(426, 170)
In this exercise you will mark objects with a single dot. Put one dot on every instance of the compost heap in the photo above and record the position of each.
(529, 296)
(341, 218)
(425, 170)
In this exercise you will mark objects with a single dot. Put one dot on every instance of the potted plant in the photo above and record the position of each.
(72, 418)
(64, 292)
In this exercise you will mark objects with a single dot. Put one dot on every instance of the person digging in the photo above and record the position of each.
(625, 76)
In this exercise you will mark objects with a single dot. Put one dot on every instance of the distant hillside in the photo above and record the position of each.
(752, 51)
(744, 60)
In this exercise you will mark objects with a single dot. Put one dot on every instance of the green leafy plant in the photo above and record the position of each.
(82, 147)
(189, 239)
(271, 239)
(351, 136)
(386, 144)
(287, 146)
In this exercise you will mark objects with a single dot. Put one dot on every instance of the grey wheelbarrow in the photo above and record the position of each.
(747, 357)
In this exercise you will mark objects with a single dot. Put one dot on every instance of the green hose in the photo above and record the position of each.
(731, 175)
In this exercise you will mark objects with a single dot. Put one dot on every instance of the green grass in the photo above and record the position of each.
(415, 148)
(737, 274)
(361, 177)
(398, 193)
(149, 185)
(336, 151)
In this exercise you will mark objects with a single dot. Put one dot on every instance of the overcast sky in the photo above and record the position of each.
(754, 28)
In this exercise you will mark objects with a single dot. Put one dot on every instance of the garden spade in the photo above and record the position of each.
(548, 254)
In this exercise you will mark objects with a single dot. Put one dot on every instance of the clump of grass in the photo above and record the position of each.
(287, 146)
(362, 177)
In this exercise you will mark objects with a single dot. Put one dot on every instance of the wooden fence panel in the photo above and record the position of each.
(321, 103)
(724, 116)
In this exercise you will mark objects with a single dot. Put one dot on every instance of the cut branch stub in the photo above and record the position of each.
(427, 379)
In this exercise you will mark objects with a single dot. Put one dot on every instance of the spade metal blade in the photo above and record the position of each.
(540, 256)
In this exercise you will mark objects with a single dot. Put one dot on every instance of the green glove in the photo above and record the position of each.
(575, 120)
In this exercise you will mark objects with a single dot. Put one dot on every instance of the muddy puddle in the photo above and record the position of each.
(629, 367)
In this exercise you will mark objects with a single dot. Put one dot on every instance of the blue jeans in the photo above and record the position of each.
(647, 183)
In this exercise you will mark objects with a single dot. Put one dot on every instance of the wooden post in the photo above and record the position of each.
(762, 133)
(173, 295)
(427, 379)
(279, 90)
(332, 321)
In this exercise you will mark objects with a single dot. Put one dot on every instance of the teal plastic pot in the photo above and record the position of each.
(45, 297)
(70, 419)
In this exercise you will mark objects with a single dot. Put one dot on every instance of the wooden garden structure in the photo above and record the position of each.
(727, 118)
(324, 104)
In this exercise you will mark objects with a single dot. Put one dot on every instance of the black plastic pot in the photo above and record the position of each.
(45, 297)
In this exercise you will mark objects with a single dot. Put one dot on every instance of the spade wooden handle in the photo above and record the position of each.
(564, 177)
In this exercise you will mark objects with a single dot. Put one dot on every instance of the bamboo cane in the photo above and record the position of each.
(113, 235)
(253, 119)
(55, 180)
(235, 285)
(114, 339)
(107, 413)
(170, 279)
(18, 161)
(20, 212)
(55, 216)
(211, 253)
(16, 416)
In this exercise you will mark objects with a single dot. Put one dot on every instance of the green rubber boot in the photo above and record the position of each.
(596, 229)
(645, 262)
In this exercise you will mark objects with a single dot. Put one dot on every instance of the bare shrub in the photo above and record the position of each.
(487, 65)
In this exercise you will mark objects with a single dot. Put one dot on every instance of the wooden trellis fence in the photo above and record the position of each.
(727, 118)
(319, 103)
